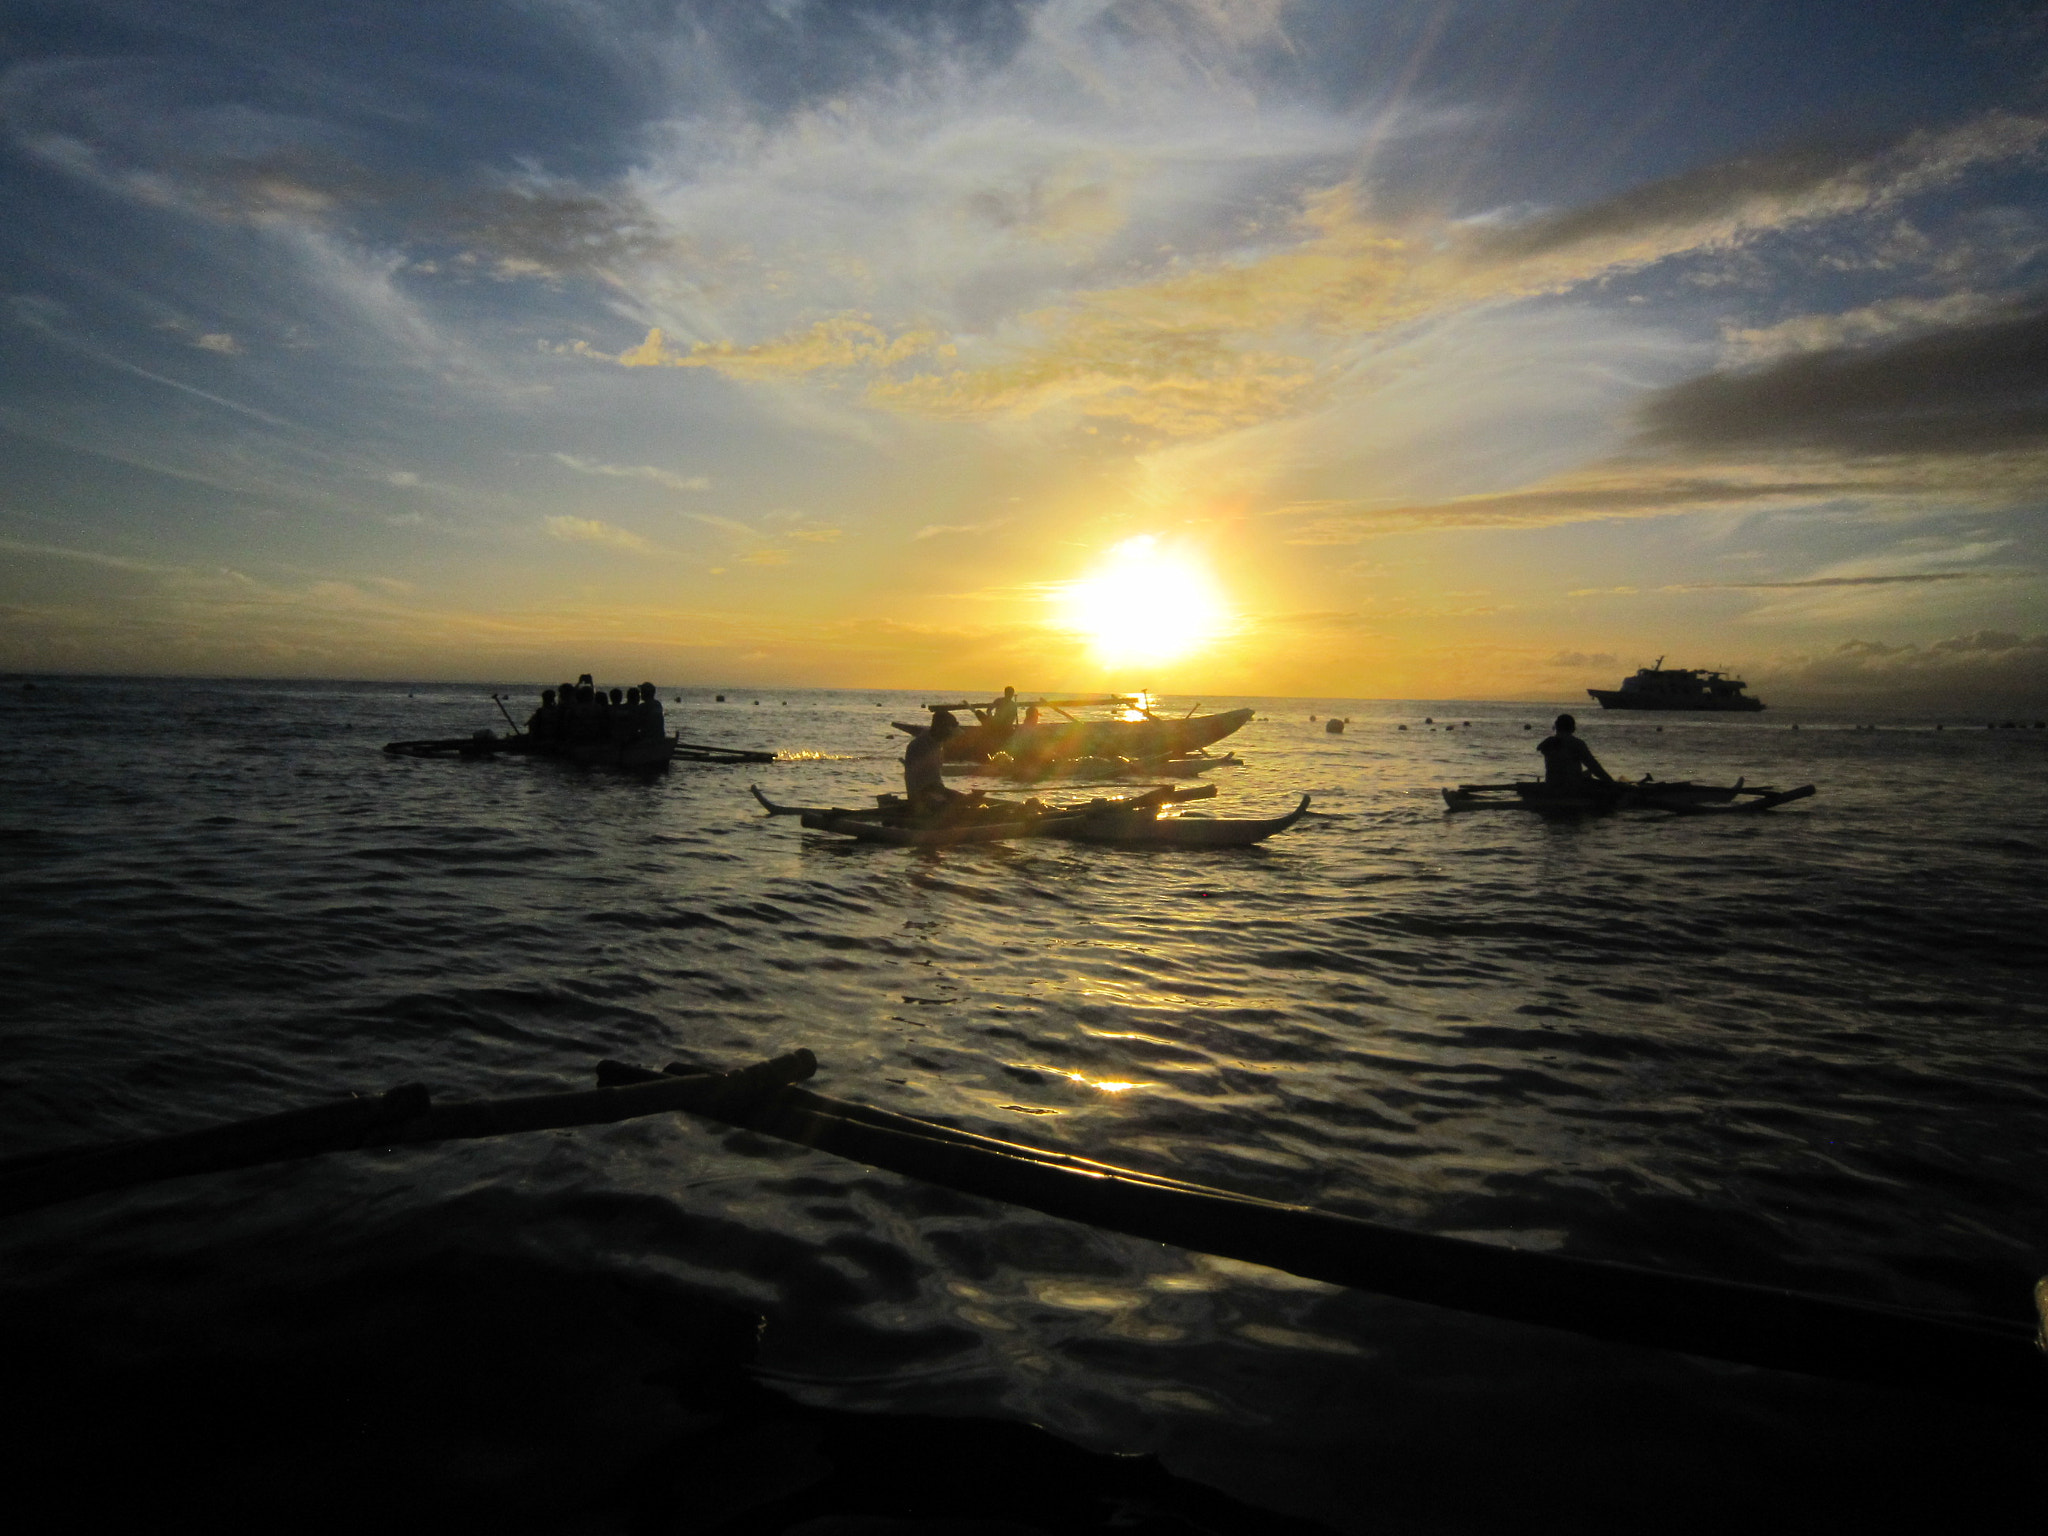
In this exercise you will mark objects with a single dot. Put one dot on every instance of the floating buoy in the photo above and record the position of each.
(1335, 727)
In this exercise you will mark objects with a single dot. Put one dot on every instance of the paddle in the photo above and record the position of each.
(507, 714)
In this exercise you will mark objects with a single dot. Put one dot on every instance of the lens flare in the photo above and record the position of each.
(1145, 603)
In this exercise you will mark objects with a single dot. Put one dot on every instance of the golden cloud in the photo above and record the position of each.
(1215, 348)
(834, 345)
(588, 530)
(1224, 347)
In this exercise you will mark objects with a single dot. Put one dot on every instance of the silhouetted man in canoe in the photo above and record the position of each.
(1567, 760)
(924, 778)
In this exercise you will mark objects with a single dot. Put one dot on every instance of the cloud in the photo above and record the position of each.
(828, 346)
(669, 478)
(1721, 204)
(1236, 341)
(938, 530)
(1968, 389)
(1987, 669)
(1628, 491)
(1871, 323)
(1845, 581)
(219, 341)
(588, 530)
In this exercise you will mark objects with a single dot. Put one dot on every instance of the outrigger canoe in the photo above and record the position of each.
(1133, 822)
(1678, 796)
(1064, 740)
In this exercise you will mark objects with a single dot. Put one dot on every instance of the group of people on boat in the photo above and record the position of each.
(578, 713)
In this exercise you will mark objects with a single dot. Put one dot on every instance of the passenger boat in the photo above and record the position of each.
(1659, 687)
(1143, 738)
(1676, 795)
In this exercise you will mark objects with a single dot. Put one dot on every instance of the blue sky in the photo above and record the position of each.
(1439, 350)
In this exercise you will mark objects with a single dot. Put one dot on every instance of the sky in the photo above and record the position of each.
(1430, 350)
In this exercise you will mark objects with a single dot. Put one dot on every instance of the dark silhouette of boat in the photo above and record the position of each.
(1659, 687)
(1132, 822)
(1147, 737)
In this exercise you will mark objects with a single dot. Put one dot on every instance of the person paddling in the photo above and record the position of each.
(1568, 760)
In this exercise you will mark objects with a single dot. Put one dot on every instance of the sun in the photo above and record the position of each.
(1145, 603)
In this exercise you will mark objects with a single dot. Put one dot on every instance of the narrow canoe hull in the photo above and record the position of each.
(1681, 799)
(629, 756)
(1136, 829)
(870, 829)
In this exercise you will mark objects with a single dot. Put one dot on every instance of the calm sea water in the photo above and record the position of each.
(1807, 1048)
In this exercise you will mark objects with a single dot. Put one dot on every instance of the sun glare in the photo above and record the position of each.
(1145, 603)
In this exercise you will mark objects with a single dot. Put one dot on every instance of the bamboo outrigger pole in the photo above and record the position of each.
(402, 1116)
(1986, 1359)
(1968, 1357)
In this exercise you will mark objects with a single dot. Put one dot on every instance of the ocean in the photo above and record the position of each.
(1807, 1048)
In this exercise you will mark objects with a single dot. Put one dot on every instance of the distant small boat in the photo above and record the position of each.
(1659, 687)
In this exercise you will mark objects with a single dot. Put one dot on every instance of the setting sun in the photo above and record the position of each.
(1145, 603)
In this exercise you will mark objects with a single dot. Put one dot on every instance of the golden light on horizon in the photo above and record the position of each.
(1145, 603)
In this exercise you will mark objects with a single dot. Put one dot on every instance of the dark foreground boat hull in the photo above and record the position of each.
(1070, 739)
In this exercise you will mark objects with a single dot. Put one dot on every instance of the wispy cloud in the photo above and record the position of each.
(1990, 669)
(1847, 581)
(589, 530)
(667, 477)
(939, 530)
